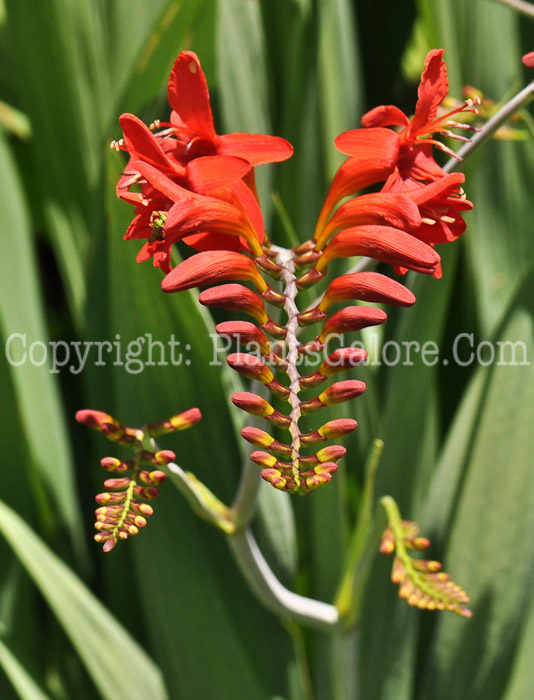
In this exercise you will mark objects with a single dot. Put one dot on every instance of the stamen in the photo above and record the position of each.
(429, 222)
(447, 219)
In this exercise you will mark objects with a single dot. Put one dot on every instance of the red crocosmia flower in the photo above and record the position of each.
(192, 121)
(415, 160)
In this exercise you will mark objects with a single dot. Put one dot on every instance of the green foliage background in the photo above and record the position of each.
(167, 614)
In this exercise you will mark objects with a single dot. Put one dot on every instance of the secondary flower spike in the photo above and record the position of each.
(123, 509)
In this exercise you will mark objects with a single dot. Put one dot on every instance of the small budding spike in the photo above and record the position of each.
(123, 510)
(421, 582)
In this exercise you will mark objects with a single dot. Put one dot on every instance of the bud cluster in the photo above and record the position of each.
(123, 509)
(421, 582)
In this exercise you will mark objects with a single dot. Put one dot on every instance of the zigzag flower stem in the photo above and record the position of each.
(285, 259)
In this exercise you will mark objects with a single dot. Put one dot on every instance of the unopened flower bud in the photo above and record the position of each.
(257, 406)
(181, 421)
(337, 393)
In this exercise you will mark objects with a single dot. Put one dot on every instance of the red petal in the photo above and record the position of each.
(212, 267)
(385, 115)
(255, 148)
(528, 59)
(140, 226)
(202, 214)
(142, 144)
(162, 183)
(189, 97)
(252, 210)
(214, 241)
(209, 172)
(432, 90)
(369, 144)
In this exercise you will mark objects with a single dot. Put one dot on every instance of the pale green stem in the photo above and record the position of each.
(284, 258)
(272, 593)
(527, 8)
(362, 546)
(490, 127)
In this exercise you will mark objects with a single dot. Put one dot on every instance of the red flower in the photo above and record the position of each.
(415, 162)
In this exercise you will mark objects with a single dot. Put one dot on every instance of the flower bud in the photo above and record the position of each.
(152, 477)
(245, 333)
(338, 361)
(181, 421)
(235, 297)
(337, 393)
(253, 368)
(211, 267)
(259, 438)
(112, 464)
(366, 286)
(257, 406)
(352, 318)
(117, 484)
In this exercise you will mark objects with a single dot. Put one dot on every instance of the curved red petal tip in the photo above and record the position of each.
(384, 115)
(369, 144)
(528, 59)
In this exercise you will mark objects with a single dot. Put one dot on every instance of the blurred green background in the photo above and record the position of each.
(167, 613)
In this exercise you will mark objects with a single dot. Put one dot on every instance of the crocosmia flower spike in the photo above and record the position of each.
(195, 189)
(123, 508)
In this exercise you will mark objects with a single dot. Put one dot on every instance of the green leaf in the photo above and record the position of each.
(175, 28)
(118, 666)
(339, 78)
(22, 320)
(489, 545)
(65, 90)
(21, 680)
